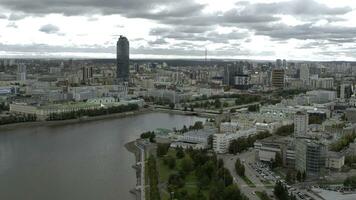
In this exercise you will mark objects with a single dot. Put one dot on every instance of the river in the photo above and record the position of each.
(82, 161)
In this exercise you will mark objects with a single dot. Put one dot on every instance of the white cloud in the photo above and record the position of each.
(229, 29)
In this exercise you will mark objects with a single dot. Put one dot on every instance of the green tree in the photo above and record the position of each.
(170, 161)
(175, 181)
(162, 149)
(180, 153)
(187, 165)
(240, 168)
(217, 103)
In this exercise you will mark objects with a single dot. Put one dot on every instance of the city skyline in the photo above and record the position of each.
(259, 30)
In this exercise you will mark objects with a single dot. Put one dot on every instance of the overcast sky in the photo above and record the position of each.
(255, 29)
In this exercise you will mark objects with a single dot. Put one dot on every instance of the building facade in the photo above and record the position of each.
(123, 60)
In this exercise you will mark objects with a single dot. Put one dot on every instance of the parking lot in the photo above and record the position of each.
(267, 176)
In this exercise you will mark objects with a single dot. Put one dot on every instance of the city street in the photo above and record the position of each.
(247, 157)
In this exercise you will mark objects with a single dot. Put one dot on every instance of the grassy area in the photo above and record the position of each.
(263, 195)
(248, 181)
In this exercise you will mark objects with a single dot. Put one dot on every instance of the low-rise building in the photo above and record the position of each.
(221, 141)
(334, 160)
(198, 139)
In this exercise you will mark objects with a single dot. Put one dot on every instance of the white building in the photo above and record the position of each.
(322, 83)
(197, 137)
(334, 160)
(322, 96)
(301, 121)
(221, 141)
(228, 127)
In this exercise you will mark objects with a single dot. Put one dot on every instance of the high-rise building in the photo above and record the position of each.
(277, 78)
(344, 91)
(230, 71)
(285, 65)
(279, 63)
(87, 74)
(304, 74)
(21, 72)
(310, 156)
(301, 121)
(123, 60)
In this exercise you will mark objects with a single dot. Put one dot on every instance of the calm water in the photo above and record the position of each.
(85, 161)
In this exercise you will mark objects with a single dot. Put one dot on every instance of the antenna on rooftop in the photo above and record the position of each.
(206, 57)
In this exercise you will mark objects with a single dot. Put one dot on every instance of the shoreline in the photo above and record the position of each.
(133, 148)
(72, 121)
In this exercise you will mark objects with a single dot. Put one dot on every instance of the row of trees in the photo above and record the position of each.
(149, 135)
(4, 107)
(343, 142)
(254, 108)
(215, 101)
(241, 144)
(153, 178)
(94, 112)
(17, 118)
(240, 168)
(289, 93)
(350, 161)
(158, 100)
(285, 130)
(292, 176)
(350, 182)
(207, 104)
(196, 126)
(281, 192)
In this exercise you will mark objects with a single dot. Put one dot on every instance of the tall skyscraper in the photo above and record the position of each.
(123, 60)
(232, 70)
(304, 74)
(284, 65)
(87, 74)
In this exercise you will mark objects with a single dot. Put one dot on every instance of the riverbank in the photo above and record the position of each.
(132, 148)
(72, 121)
(139, 166)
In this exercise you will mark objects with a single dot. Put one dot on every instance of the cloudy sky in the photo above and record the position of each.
(241, 29)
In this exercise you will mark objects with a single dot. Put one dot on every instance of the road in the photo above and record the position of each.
(249, 157)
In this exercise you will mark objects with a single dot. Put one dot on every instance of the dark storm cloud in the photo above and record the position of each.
(306, 31)
(17, 16)
(187, 34)
(131, 8)
(49, 29)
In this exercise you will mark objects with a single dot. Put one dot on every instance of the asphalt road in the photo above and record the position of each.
(249, 157)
